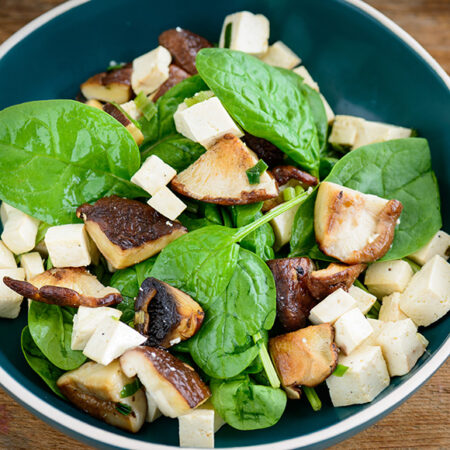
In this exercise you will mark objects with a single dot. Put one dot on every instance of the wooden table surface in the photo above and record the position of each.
(423, 421)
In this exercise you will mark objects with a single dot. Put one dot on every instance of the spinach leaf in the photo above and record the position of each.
(42, 230)
(51, 329)
(143, 269)
(194, 223)
(126, 281)
(57, 154)
(39, 363)
(265, 101)
(245, 405)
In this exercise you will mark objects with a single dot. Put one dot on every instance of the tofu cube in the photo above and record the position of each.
(364, 300)
(7, 260)
(332, 307)
(439, 245)
(345, 131)
(352, 328)
(385, 277)
(427, 296)
(205, 122)
(32, 264)
(377, 327)
(86, 321)
(280, 55)
(69, 245)
(153, 175)
(218, 421)
(390, 309)
(307, 78)
(110, 340)
(245, 32)
(131, 109)
(19, 230)
(366, 377)
(401, 346)
(167, 203)
(196, 429)
(5, 210)
(153, 412)
(10, 300)
(282, 227)
(150, 70)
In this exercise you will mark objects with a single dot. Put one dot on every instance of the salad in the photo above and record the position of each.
(200, 237)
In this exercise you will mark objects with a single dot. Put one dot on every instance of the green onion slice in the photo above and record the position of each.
(313, 398)
(255, 172)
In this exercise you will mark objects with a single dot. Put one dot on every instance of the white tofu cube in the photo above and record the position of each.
(366, 377)
(345, 130)
(19, 230)
(390, 309)
(282, 227)
(131, 109)
(86, 321)
(377, 327)
(10, 300)
(364, 300)
(427, 296)
(153, 175)
(218, 421)
(69, 245)
(110, 340)
(385, 277)
(280, 55)
(32, 264)
(7, 260)
(196, 429)
(332, 307)
(400, 345)
(153, 411)
(167, 203)
(352, 328)
(439, 245)
(245, 32)
(5, 210)
(307, 78)
(150, 70)
(205, 122)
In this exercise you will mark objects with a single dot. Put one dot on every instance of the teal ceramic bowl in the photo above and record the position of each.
(364, 64)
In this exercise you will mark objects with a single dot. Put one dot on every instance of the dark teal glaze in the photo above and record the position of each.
(361, 67)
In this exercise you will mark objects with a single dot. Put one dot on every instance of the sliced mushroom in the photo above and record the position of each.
(165, 314)
(127, 231)
(175, 386)
(96, 389)
(354, 227)
(176, 75)
(305, 357)
(283, 174)
(219, 176)
(322, 283)
(69, 286)
(112, 86)
(294, 301)
(183, 46)
(121, 117)
(265, 150)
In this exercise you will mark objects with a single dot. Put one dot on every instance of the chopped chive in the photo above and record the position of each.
(299, 190)
(130, 389)
(313, 398)
(340, 370)
(135, 122)
(113, 66)
(358, 283)
(255, 172)
(123, 408)
(374, 311)
(198, 98)
(288, 194)
(228, 31)
(146, 106)
(266, 361)
(48, 264)
(415, 267)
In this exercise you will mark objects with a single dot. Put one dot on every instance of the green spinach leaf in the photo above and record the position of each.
(126, 281)
(264, 101)
(39, 363)
(57, 154)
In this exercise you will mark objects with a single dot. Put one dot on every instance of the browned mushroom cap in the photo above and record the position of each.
(176, 75)
(219, 176)
(283, 174)
(115, 112)
(354, 227)
(175, 386)
(96, 389)
(322, 283)
(294, 301)
(165, 314)
(305, 357)
(113, 86)
(127, 231)
(69, 286)
(265, 150)
(183, 46)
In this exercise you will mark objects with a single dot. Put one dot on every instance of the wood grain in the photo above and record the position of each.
(421, 422)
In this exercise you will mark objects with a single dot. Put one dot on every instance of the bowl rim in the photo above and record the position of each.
(331, 434)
